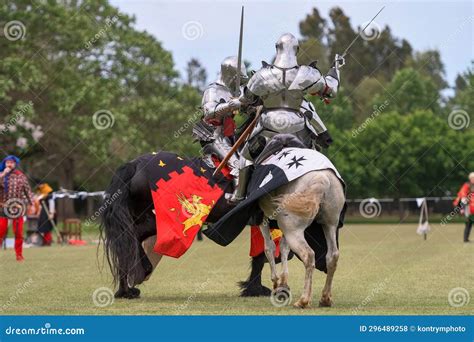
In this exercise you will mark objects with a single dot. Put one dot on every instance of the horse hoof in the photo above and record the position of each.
(255, 291)
(134, 293)
(325, 303)
(119, 294)
(301, 304)
(130, 293)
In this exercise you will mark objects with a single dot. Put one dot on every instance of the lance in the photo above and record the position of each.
(239, 141)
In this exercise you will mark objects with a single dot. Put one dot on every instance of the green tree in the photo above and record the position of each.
(101, 90)
(408, 91)
(393, 156)
(363, 97)
(460, 83)
(338, 112)
(464, 95)
(313, 26)
(429, 64)
(196, 75)
(312, 50)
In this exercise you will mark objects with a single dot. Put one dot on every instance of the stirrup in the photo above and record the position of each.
(235, 197)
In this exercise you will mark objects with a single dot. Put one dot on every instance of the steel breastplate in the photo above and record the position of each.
(283, 120)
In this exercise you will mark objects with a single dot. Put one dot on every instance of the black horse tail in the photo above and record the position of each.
(117, 226)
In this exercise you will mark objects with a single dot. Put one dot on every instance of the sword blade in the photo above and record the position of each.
(360, 32)
(239, 55)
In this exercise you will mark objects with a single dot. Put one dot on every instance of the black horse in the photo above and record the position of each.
(128, 220)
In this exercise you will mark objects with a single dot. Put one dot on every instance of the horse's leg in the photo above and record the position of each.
(332, 256)
(270, 249)
(124, 291)
(330, 212)
(294, 236)
(143, 268)
(253, 287)
(154, 258)
(284, 251)
(127, 285)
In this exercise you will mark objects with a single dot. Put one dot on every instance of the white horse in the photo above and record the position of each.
(317, 195)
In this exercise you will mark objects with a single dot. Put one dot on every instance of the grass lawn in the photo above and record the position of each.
(383, 269)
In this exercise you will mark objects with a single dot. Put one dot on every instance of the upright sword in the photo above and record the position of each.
(339, 60)
(239, 55)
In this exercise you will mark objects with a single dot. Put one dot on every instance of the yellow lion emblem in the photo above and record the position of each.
(195, 208)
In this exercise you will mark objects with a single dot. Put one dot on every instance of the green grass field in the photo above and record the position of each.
(383, 269)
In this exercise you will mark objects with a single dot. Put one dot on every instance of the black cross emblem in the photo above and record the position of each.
(284, 154)
(296, 162)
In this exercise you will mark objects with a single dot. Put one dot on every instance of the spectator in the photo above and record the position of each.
(47, 213)
(15, 193)
(465, 201)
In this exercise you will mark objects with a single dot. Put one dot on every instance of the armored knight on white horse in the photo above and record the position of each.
(285, 115)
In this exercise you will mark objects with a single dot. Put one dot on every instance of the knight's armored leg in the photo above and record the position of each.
(240, 191)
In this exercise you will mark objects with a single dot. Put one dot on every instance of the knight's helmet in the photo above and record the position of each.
(286, 50)
(228, 74)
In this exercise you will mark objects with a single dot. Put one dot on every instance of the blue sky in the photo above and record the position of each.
(445, 25)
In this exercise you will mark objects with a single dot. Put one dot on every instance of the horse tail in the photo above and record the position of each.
(306, 203)
(117, 228)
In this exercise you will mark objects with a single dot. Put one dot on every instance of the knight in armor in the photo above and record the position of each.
(219, 104)
(282, 87)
